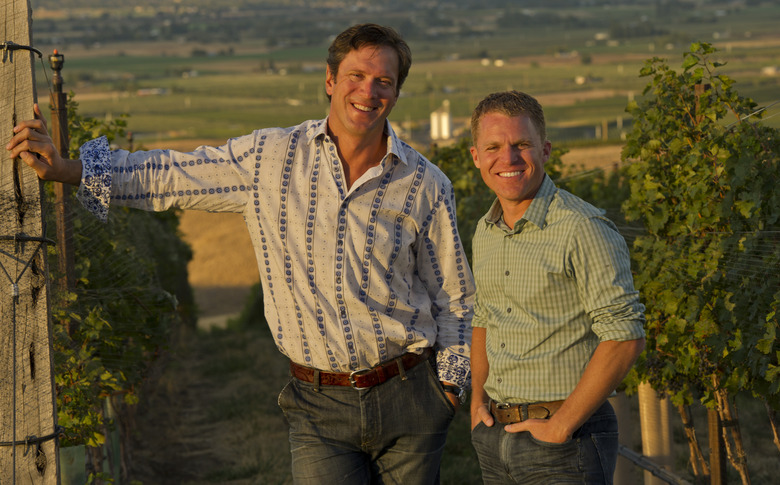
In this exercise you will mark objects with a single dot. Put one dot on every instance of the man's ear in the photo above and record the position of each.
(474, 156)
(546, 151)
(330, 80)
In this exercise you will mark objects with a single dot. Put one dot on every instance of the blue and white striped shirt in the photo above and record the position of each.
(351, 276)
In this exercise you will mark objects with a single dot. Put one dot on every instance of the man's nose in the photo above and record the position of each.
(511, 154)
(368, 88)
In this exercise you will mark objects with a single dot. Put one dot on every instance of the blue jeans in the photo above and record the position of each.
(589, 457)
(393, 433)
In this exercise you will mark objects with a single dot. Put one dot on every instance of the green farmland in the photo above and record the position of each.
(190, 90)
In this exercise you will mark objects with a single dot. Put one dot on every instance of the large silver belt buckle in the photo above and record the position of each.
(356, 373)
(503, 405)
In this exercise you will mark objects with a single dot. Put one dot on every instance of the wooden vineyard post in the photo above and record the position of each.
(28, 429)
(60, 137)
(718, 472)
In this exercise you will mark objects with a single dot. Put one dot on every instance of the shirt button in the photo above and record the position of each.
(509, 310)
(506, 273)
(499, 380)
(503, 345)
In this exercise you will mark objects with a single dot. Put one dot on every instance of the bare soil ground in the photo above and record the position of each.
(223, 267)
(605, 157)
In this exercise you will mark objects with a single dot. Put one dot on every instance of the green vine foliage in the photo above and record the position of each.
(704, 184)
(130, 294)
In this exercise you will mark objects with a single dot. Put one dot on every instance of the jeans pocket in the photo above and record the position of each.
(282, 400)
(441, 395)
(569, 442)
(477, 427)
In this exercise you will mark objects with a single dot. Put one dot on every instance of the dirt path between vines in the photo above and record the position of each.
(211, 417)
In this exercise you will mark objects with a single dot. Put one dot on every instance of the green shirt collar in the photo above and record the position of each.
(536, 212)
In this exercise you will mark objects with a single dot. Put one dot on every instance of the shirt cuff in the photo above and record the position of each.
(454, 368)
(95, 189)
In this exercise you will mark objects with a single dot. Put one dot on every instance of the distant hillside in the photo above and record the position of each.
(313, 22)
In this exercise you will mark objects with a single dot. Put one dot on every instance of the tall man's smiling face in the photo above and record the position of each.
(363, 91)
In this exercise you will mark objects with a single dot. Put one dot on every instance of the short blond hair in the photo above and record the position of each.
(510, 103)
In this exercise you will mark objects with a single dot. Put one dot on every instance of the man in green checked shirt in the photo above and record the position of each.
(557, 321)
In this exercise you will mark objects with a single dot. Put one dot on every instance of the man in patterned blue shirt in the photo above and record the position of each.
(366, 287)
(557, 323)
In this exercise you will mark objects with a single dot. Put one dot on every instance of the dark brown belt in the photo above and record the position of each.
(360, 379)
(514, 413)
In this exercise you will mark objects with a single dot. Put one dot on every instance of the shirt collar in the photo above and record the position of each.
(536, 212)
(394, 144)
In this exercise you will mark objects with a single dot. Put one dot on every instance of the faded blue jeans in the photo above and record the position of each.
(393, 433)
(513, 458)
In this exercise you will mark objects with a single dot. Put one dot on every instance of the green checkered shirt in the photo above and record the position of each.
(548, 291)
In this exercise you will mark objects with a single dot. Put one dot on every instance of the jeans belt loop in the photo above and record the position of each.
(401, 371)
(316, 380)
(524, 412)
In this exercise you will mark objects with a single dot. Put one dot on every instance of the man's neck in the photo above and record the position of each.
(358, 155)
(511, 213)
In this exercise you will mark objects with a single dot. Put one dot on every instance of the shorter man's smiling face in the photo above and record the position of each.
(510, 156)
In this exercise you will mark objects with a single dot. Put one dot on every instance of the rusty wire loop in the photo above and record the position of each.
(31, 440)
(9, 46)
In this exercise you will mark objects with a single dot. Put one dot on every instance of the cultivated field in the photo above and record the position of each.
(198, 88)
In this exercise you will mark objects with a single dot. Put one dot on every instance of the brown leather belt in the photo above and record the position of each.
(514, 413)
(364, 378)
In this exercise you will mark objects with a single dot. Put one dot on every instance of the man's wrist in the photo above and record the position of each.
(73, 172)
(475, 405)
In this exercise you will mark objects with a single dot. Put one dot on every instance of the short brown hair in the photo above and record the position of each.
(362, 35)
(510, 103)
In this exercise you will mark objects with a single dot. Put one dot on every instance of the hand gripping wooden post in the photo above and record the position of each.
(28, 429)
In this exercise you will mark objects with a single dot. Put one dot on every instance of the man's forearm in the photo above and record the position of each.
(606, 370)
(479, 367)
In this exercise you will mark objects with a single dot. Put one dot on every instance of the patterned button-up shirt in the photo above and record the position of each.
(548, 291)
(351, 276)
